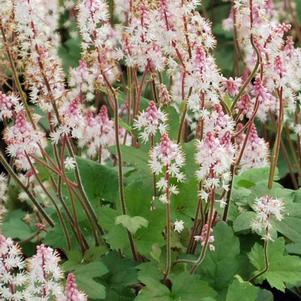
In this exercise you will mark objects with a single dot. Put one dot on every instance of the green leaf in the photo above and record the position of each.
(125, 125)
(242, 222)
(282, 268)
(93, 289)
(265, 295)
(131, 223)
(253, 175)
(70, 53)
(184, 204)
(100, 182)
(116, 235)
(220, 266)
(149, 270)
(136, 157)
(85, 278)
(189, 287)
(294, 248)
(290, 227)
(156, 252)
(106, 217)
(122, 274)
(117, 238)
(95, 253)
(173, 122)
(184, 287)
(224, 57)
(139, 195)
(55, 237)
(154, 290)
(239, 288)
(146, 237)
(13, 225)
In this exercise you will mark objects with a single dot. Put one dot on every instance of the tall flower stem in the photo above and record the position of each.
(236, 99)
(91, 213)
(276, 147)
(246, 83)
(168, 225)
(139, 93)
(120, 162)
(198, 221)
(235, 40)
(80, 237)
(286, 156)
(152, 143)
(235, 164)
(295, 154)
(74, 210)
(210, 221)
(251, 76)
(36, 204)
(183, 117)
(266, 262)
(53, 201)
(85, 200)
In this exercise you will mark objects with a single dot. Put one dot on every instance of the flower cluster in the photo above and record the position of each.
(36, 35)
(146, 72)
(277, 55)
(167, 159)
(99, 134)
(151, 121)
(215, 152)
(256, 153)
(22, 140)
(71, 291)
(44, 275)
(11, 270)
(99, 41)
(93, 20)
(39, 279)
(7, 104)
(267, 209)
(82, 81)
(231, 86)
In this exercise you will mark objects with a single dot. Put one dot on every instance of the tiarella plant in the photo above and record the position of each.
(150, 150)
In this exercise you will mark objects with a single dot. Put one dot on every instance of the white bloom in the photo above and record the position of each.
(151, 121)
(267, 209)
(179, 226)
(69, 163)
(11, 269)
(45, 275)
